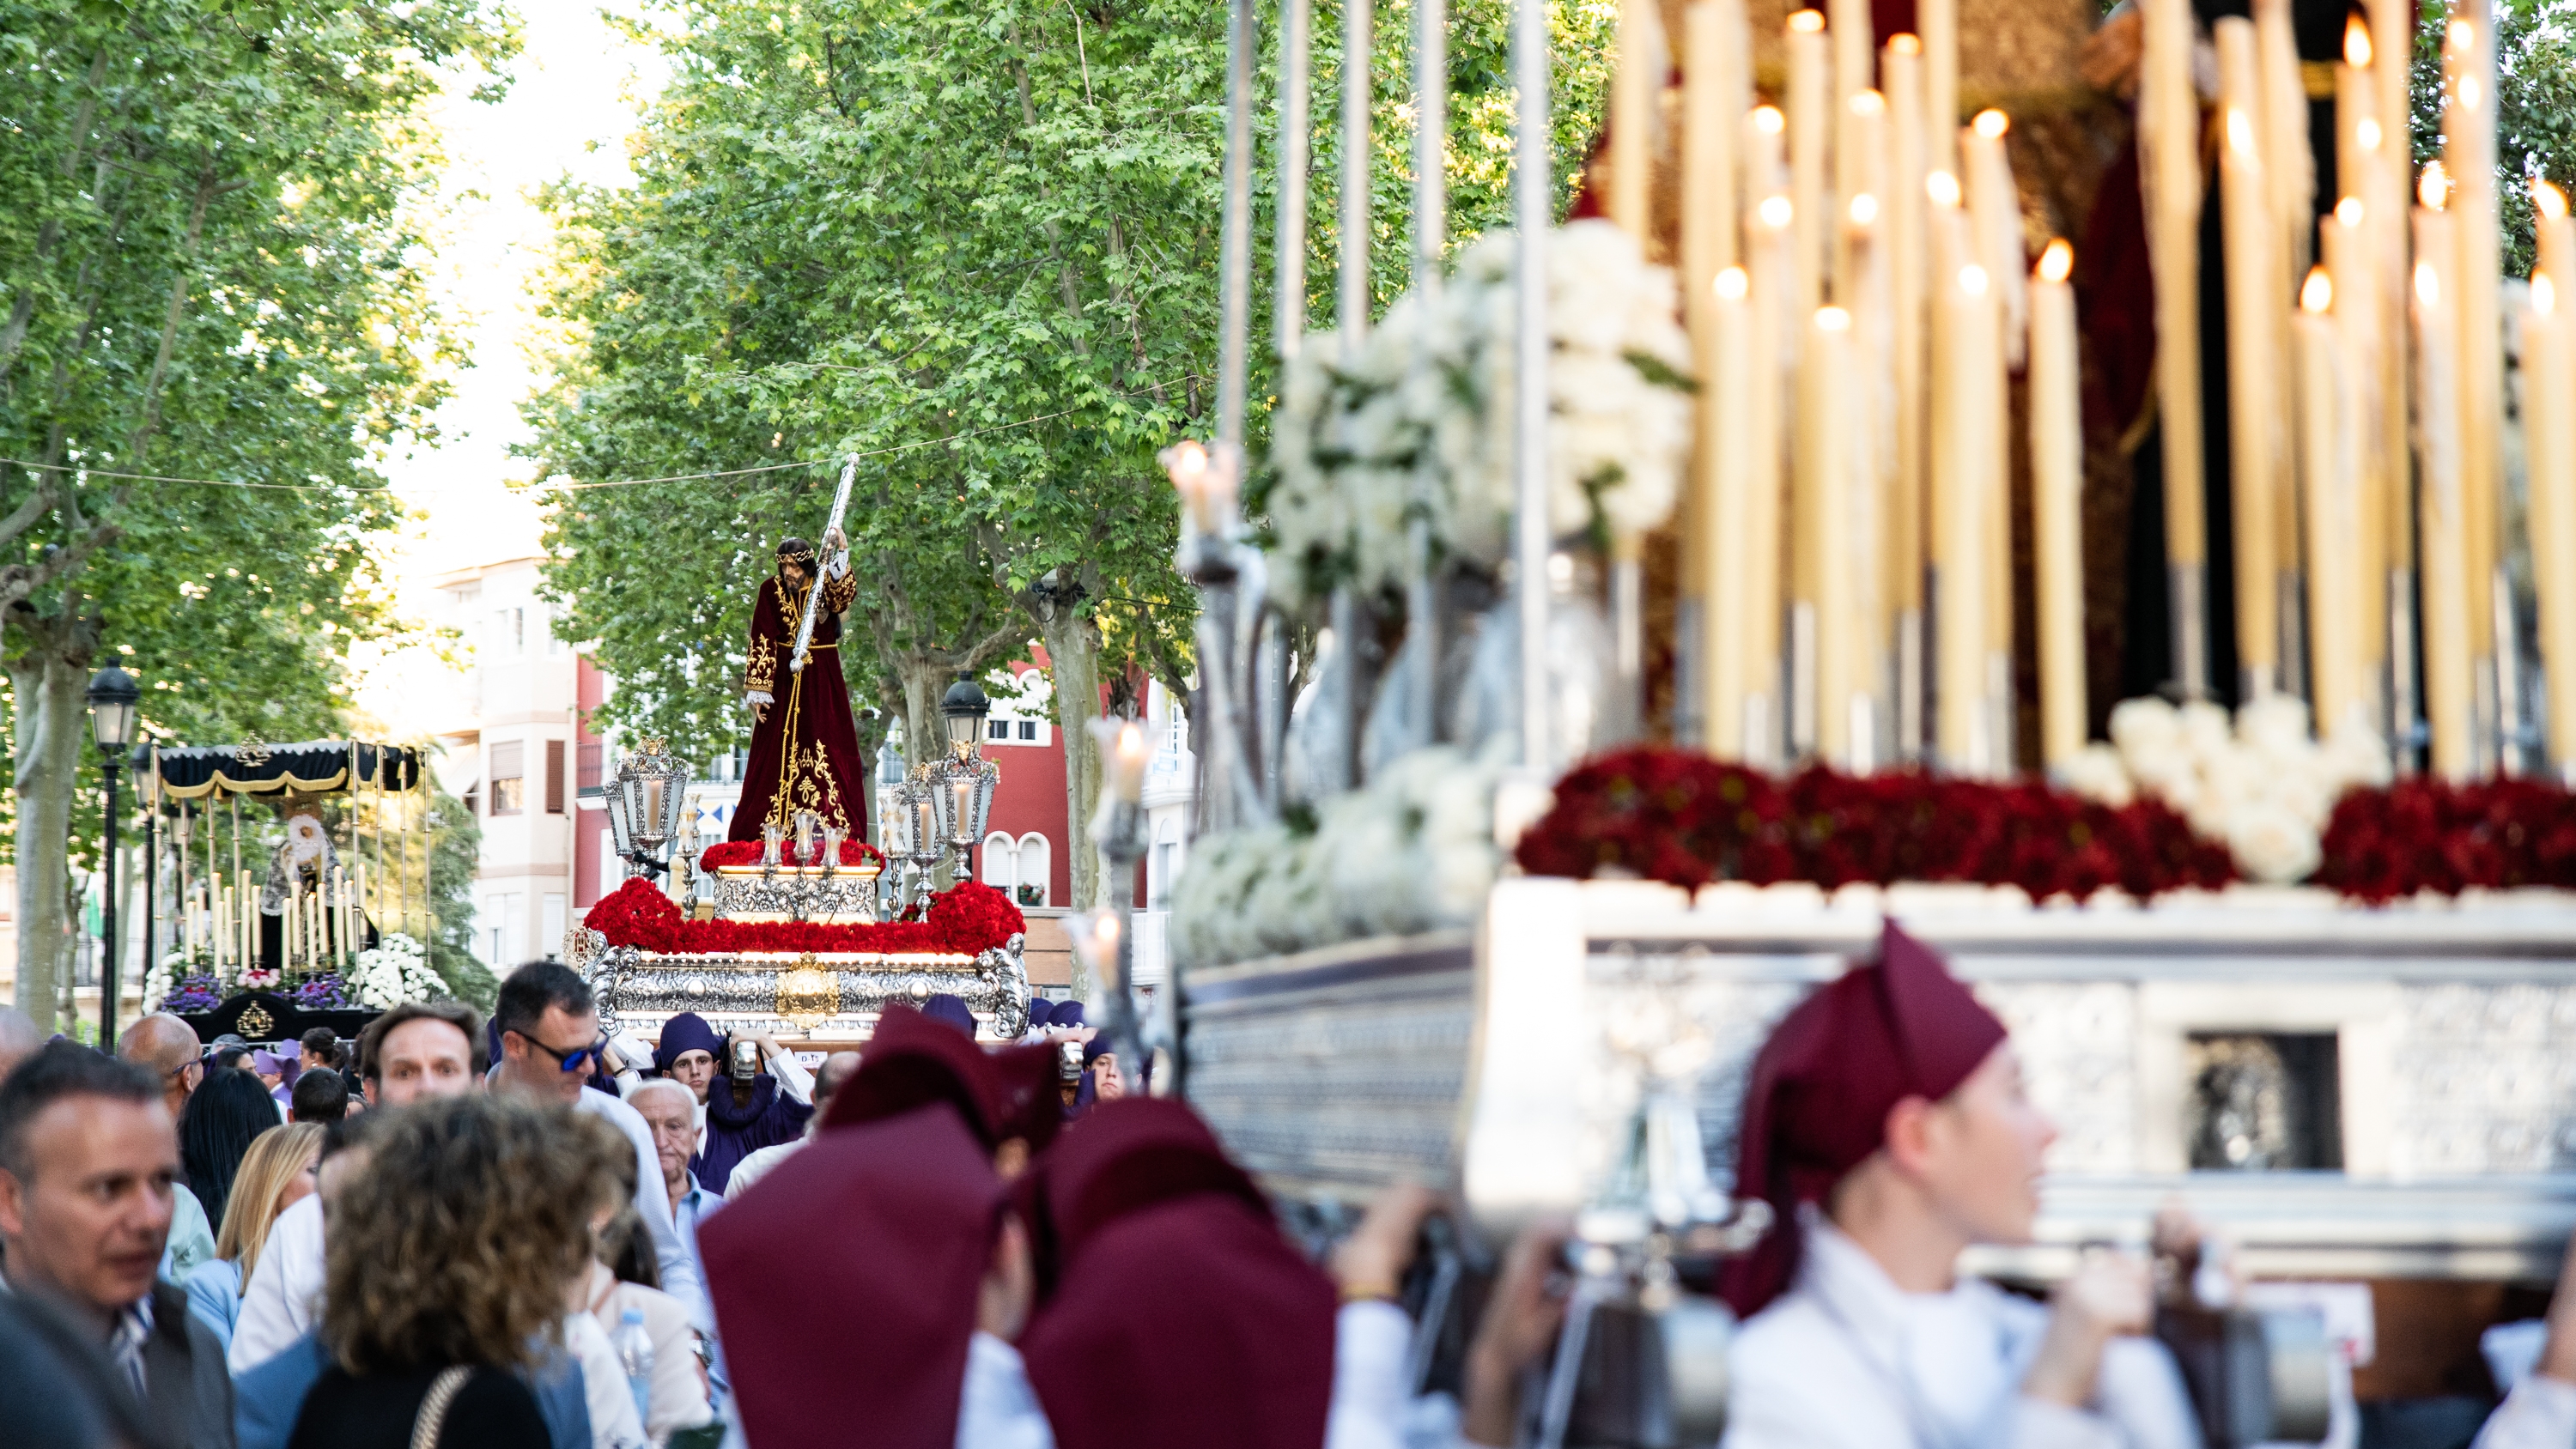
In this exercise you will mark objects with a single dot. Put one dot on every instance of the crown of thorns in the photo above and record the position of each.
(795, 553)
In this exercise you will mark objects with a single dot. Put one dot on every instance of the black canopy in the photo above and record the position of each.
(310, 767)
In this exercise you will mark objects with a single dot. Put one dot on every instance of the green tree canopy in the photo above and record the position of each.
(209, 269)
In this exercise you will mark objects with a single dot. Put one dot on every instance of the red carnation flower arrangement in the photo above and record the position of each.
(747, 852)
(2420, 835)
(1682, 818)
(964, 920)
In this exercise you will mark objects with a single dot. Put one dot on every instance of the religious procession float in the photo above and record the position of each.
(301, 896)
(1843, 518)
(796, 924)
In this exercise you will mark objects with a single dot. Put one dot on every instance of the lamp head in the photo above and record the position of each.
(964, 708)
(113, 700)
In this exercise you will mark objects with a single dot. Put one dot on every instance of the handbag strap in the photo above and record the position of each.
(433, 1408)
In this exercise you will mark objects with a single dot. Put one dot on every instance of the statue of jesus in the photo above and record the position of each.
(804, 740)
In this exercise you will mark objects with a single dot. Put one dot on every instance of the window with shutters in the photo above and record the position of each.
(554, 777)
(510, 778)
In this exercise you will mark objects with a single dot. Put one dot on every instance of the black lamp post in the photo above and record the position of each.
(113, 696)
(147, 793)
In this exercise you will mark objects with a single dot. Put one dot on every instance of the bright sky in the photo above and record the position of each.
(578, 88)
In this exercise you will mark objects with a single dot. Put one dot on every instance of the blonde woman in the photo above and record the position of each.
(275, 1174)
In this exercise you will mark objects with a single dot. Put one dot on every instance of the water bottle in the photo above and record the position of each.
(635, 1355)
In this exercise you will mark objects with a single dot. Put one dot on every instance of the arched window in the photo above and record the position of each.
(1001, 862)
(1037, 870)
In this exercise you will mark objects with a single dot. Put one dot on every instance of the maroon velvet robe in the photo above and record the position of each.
(805, 755)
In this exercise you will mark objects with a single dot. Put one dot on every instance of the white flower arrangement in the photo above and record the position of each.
(1419, 423)
(1412, 852)
(2264, 788)
(393, 972)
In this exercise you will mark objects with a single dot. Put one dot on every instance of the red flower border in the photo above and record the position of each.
(1682, 818)
(747, 852)
(1685, 819)
(964, 920)
(2425, 835)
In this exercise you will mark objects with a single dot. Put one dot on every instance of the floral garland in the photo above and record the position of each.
(2427, 835)
(1419, 423)
(1685, 819)
(1414, 851)
(747, 852)
(967, 919)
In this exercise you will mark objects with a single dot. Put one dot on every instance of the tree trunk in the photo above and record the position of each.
(47, 759)
(1073, 663)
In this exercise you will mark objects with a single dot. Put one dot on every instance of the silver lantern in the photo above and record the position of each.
(645, 805)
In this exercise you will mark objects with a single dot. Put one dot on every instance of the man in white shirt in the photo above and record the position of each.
(549, 1038)
(414, 1052)
(1886, 1125)
(828, 1078)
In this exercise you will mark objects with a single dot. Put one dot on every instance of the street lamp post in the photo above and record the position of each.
(113, 696)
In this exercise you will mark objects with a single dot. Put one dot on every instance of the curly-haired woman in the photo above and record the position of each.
(450, 1266)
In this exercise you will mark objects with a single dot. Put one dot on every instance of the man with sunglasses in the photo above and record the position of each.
(550, 1041)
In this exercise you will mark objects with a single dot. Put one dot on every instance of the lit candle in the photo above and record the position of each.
(2554, 236)
(2057, 505)
(2333, 513)
(1206, 482)
(1964, 384)
(1848, 22)
(961, 806)
(1769, 238)
(2445, 567)
(2253, 367)
(1636, 81)
(1825, 486)
(1124, 752)
(1766, 164)
(925, 826)
(2385, 49)
(1938, 23)
(2469, 159)
(2351, 244)
(1712, 34)
(1994, 211)
(2549, 425)
(2289, 165)
(1728, 453)
(1860, 179)
(1810, 127)
(1901, 70)
(2169, 172)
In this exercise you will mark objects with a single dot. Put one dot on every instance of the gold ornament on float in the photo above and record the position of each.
(808, 995)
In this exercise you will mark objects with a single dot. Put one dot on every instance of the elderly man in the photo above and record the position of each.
(1886, 1124)
(550, 1041)
(89, 1166)
(741, 1117)
(167, 1047)
(414, 1052)
(672, 1114)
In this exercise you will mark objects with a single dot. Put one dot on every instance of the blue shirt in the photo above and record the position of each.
(214, 1295)
(267, 1398)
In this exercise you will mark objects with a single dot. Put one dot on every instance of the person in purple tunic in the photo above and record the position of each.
(741, 1118)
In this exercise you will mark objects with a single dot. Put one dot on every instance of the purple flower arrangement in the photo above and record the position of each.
(198, 991)
(321, 991)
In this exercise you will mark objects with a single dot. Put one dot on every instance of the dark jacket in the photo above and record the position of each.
(735, 1132)
(188, 1394)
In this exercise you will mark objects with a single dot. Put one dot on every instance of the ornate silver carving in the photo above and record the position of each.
(639, 991)
(833, 898)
